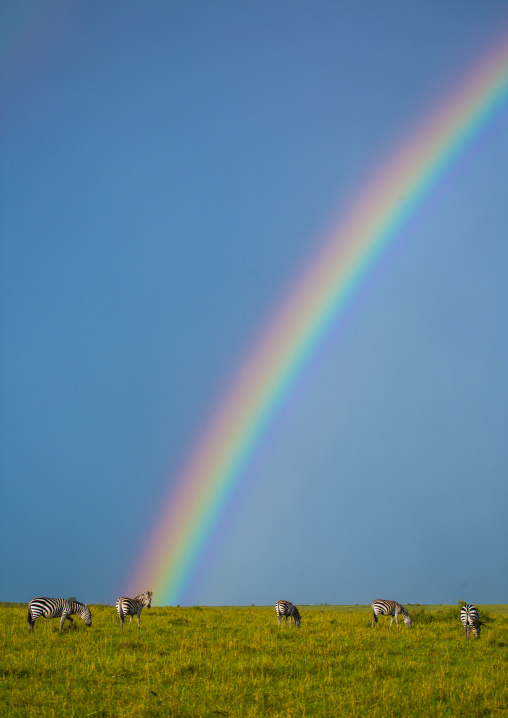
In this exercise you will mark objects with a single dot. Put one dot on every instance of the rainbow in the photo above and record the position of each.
(318, 299)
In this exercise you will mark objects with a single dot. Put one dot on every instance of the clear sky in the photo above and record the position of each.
(167, 170)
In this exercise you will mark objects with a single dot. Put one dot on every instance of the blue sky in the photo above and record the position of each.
(167, 169)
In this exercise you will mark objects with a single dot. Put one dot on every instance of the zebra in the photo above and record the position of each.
(56, 607)
(470, 620)
(390, 608)
(286, 608)
(133, 606)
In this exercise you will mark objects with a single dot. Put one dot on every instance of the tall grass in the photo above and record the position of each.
(236, 662)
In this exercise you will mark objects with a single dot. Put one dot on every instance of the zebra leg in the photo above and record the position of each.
(279, 619)
(138, 615)
(68, 618)
(31, 621)
(62, 621)
(374, 620)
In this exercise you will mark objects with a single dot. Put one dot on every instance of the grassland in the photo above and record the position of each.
(236, 662)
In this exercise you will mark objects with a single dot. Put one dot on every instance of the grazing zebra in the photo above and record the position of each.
(286, 608)
(56, 607)
(133, 606)
(390, 608)
(470, 620)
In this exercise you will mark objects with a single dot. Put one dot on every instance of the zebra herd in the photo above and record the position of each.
(468, 615)
(380, 607)
(65, 608)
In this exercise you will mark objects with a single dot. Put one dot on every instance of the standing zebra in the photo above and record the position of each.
(133, 606)
(286, 608)
(470, 620)
(56, 607)
(390, 608)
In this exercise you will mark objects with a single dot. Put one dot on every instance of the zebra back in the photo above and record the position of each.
(56, 608)
(382, 607)
(287, 609)
(470, 620)
(133, 606)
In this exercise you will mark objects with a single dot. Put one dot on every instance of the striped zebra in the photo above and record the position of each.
(390, 608)
(133, 606)
(56, 607)
(470, 620)
(285, 609)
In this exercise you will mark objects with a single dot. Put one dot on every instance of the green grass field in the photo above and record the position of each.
(236, 662)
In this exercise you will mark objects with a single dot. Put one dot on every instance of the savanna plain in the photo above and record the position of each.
(203, 661)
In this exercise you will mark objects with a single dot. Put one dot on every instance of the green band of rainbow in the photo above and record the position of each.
(317, 301)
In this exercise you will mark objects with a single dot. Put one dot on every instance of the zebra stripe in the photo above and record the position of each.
(380, 607)
(286, 608)
(133, 606)
(56, 607)
(470, 620)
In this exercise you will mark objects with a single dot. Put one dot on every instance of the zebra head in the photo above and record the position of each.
(86, 616)
(146, 599)
(297, 621)
(405, 615)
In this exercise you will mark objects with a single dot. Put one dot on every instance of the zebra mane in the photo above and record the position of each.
(74, 602)
(145, 594)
